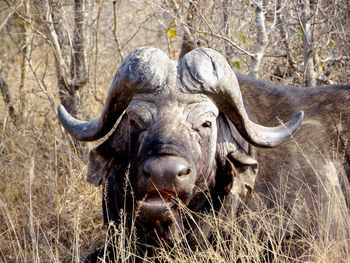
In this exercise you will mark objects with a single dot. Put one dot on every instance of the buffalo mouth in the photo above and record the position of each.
(159, 210)
(157, 206)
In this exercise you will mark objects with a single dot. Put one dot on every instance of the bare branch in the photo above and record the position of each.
(7, 18)
(187, 27)
(26, 20)
(226, 14)
(233, 44)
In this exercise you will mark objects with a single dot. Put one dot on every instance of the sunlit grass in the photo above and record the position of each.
(49, 213)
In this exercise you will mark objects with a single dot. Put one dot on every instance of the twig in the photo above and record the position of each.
(229, 41)
(7, 18)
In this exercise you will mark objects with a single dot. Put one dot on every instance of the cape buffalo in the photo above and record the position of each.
(190, 137)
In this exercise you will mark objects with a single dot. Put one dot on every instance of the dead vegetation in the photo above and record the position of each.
(50, 214)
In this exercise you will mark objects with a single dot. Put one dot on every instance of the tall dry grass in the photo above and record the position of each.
(255, 236)
(48, 213)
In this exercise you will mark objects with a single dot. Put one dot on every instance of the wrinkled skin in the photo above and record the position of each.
(172, 155)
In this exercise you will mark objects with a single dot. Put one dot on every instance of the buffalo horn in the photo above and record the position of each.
(143, 71)
(207, 71)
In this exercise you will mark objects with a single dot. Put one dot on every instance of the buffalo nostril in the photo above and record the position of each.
(166, 168)
(184, 172)
(148, 169)
(146, 174)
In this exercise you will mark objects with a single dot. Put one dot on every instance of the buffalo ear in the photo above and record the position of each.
(232, 155)
(99, 165)
(109, 155)
(244, 169)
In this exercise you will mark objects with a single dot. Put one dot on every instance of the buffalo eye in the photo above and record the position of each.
(135, 124)
(207, 124)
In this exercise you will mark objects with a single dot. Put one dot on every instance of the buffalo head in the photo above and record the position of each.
(181, 127)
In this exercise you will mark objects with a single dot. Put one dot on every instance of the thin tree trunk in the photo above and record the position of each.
(25, 63)
(226, 15)
(261, 40)
(285, 40)
(70, 65)
(70, 55)
(309, 78)
(78, 66)
(114, 30)
(189, 41)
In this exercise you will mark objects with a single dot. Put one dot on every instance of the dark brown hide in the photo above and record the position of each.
(186, 141)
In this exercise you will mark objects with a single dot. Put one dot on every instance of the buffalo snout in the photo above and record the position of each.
(164, 180)
(163, 169)
(170, 174)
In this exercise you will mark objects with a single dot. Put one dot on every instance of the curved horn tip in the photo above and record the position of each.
(64, 116)
(291, 128)
(269, 137)
(61, 110)
(61, 113)
(294, 124)
(73, 126)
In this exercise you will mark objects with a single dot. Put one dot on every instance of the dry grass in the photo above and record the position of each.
(48, 213)
(234, 244)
